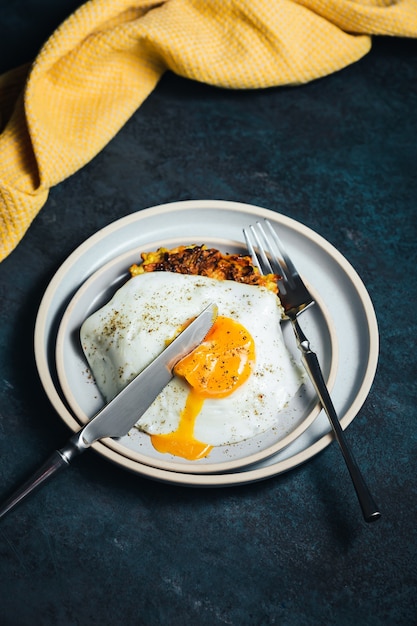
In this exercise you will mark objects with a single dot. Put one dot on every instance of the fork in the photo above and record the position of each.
(268, 254)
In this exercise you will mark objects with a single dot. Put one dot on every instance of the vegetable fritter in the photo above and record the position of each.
(205, 261)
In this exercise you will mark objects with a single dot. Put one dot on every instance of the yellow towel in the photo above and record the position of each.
(105, 59)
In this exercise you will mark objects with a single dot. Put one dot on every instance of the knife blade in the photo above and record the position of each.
(117, 417)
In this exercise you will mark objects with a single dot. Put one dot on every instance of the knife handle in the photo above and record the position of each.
(58, 460)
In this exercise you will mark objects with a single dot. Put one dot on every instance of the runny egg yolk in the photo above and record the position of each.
(218, 366)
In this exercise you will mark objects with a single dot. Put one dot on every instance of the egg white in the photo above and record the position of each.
(126, 334)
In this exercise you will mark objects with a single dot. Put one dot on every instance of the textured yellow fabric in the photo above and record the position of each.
(105, 59)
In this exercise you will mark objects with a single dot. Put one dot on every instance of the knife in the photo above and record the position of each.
(117, 417)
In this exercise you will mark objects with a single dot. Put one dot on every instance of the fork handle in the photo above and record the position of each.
(311, 363)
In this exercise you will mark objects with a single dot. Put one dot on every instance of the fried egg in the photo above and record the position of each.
(229, 389)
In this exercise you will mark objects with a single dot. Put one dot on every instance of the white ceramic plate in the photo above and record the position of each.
(84, 398)
(335, 282)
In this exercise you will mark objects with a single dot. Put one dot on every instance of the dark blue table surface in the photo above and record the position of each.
(99, 545)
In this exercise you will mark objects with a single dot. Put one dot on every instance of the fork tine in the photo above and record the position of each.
(268, 253)
(251, 250)
(267, 264)
(292, 281)
(258, 253)
(288, 269)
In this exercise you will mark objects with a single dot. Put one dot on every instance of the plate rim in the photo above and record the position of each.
(228, 478)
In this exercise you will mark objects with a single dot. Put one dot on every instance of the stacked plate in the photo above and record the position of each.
(342, 329)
